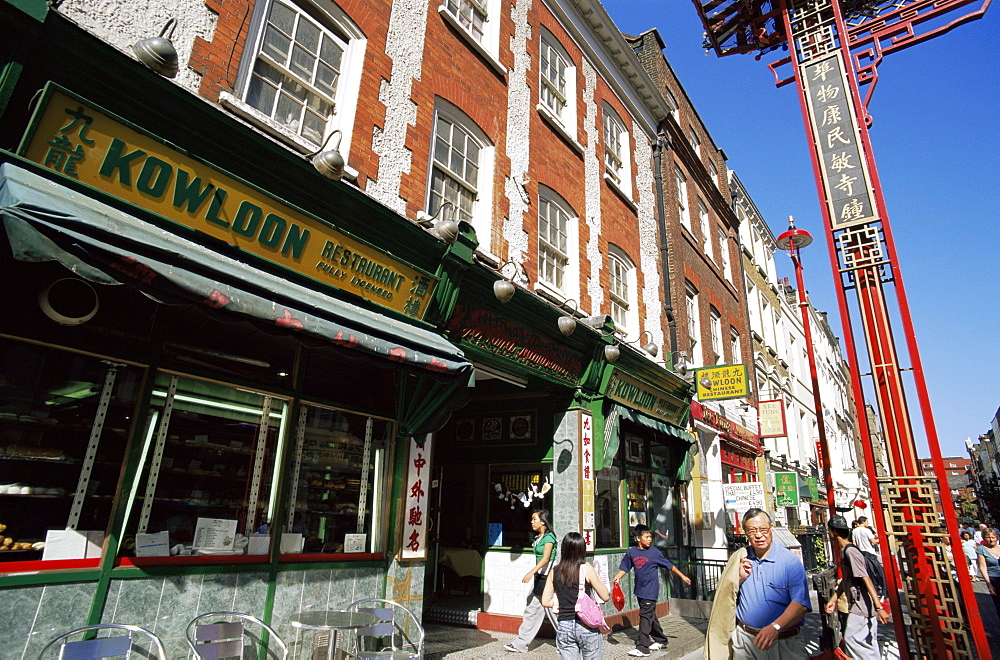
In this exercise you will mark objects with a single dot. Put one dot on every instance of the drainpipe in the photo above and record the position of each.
(659, 146)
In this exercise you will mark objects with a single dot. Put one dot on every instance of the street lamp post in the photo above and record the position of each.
(792, 241)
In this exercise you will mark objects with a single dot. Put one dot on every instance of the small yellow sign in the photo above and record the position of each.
(76, 139)
(725, 381)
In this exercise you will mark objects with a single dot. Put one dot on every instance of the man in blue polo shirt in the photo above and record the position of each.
(773, 596)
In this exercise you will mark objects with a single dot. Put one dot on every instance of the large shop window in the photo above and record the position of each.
(649, 483)
(64, 423)
(208, 470)
(339, 475)
(608, 507)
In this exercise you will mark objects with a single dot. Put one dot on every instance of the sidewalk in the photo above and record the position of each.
(686, 635)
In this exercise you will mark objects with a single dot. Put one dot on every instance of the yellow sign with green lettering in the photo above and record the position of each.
(726, 381)
(76, 139)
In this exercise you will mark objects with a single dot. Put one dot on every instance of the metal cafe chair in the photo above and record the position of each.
(104, 647)
(226, 639)
(397, 635)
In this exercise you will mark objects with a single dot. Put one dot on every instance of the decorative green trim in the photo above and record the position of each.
(9, 76)
(35, 578)
(328, 565)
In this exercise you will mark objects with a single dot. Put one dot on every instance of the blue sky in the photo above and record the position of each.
(936, 143)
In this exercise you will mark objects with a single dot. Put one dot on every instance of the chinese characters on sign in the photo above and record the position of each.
(414, 542)
(771, 418)
(76, 139)
(726, 381)
(786, 488)
(835, 134)
(587, 478)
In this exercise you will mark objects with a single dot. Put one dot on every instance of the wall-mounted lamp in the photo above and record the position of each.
(651, 348)
(611, 353)
(157, 53)
(705, 382)
(567, 323)
(329, 162)
(504, 288)
(445, 228)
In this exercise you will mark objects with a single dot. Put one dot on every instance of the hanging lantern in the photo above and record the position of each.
(861, 504)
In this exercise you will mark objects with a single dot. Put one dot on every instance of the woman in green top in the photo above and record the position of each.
(544, 546)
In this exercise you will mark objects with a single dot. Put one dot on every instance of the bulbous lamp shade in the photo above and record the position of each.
(158, 53)
(329, 162)
(611, 353)
(503, 290)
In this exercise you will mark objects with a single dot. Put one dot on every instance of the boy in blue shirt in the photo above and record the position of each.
(646, 559)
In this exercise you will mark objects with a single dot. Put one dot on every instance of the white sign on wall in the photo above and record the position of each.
(414, 541)
(587, 479)
(740, 497)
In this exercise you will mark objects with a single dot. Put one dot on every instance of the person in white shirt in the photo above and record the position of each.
(864, 537)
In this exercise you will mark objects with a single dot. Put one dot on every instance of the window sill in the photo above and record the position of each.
(553, 295)
(275, 130)
(554, 122)
(490, 58)
(621, 193)
(44, 566)
(190, 560)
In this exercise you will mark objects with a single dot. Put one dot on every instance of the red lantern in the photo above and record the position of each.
(861, 504)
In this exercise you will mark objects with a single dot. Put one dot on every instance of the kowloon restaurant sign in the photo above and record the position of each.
(76, 139)
(637, 395)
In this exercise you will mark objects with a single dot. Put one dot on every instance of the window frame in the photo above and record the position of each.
(704, 223)
(735, 346)
(715, 328)
(724, 256)
(331, 20)
(548, 198)
(694, 321)
(628, 304)
(488, 45)
(618, 176)
(480, 193)
(683, 202)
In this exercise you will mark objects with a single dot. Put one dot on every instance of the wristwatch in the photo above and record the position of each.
(776, 627)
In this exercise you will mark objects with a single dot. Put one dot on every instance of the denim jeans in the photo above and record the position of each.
(573, 639)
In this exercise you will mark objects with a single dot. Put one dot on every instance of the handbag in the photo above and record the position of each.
(617, 597)
(587, 610)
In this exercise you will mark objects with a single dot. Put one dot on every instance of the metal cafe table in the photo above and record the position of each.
(333, 621)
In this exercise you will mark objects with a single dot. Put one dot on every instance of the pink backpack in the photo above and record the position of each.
(588, 611)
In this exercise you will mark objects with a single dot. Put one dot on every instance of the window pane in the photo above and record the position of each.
(308, 36)
(282, 17)
(213, 460)
(261, 94)
(521, 491)
(54, 443)
(275, 44)
(608, 508)
(301, 63)
(332, 52)
(340, 468)
(289, 111)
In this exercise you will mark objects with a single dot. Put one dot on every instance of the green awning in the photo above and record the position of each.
(48, 221)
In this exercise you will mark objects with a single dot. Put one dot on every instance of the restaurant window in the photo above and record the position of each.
(608, 506)
(206, 485)
(305, 72)
(516, 492)
(649, 484)
(338, 477)
(64, 426)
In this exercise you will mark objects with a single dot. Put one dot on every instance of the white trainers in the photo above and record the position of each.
(510, 648)
(655, 646)
(636, 653)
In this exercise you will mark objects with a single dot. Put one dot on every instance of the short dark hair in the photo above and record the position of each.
(862, 520)
(842, 533)
(753, 513)
(641, 529)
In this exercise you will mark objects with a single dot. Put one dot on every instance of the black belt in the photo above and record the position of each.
(782, 634)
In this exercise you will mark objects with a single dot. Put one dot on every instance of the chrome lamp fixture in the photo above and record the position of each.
(157, 53)
(446, 228)
(329, 162)
(651, 348)
(567, 323)
(504, 288)
(611, 353)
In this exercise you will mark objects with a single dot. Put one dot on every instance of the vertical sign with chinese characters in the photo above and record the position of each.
(587, 524)
(786, 489)
(415, 498)
(843, 168)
